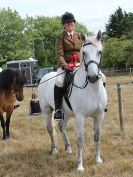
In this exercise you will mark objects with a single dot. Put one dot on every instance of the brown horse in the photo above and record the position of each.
(11, 89)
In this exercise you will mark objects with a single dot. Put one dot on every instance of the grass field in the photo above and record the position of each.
(26, 153)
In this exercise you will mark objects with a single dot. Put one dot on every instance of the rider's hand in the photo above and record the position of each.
(68, 69)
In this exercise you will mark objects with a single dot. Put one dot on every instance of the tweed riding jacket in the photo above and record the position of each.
(65, 47)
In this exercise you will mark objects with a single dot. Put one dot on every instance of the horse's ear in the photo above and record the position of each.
(99, 35)
(83, 37)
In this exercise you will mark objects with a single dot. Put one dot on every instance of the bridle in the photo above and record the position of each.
(86, 69)
(91, 61)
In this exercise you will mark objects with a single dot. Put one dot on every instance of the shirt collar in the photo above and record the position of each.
(70, 33)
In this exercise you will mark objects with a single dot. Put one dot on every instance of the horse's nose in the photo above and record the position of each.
(93, 78)
(20, 98)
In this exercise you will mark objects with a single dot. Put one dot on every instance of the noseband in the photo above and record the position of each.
(87, 64)
(91, 61)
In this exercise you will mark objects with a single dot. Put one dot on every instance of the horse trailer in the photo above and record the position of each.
(28, 65)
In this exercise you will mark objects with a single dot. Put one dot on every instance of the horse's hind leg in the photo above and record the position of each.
(62, 126)
(97, 129)
(3, 125)
(51, 131)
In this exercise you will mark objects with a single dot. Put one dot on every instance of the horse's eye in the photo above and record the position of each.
(83, 54)
(100, 52)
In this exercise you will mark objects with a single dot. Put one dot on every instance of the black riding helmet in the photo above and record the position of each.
(67, 16)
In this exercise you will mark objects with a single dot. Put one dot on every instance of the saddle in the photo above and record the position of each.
(67, 87)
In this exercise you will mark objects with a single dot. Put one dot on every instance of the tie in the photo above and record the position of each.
(71, 36)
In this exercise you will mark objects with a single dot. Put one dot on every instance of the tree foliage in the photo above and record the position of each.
(120, 23)
(118, 49)
(118, 53)
(35, 37)
(29, 37)
(12, 38)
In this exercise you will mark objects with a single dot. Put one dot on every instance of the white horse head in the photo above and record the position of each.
(91, 52)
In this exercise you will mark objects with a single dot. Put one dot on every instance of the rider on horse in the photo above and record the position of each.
(67, 45)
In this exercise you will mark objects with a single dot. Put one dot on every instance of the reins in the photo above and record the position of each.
(73, 84)
(51, 78)
(82, 87)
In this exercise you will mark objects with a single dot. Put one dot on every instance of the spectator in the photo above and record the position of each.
(34, 105)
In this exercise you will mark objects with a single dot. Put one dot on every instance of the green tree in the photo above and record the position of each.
(129, 26)
(12, 38)
(29, 37)
(120, 24)
(118, 53)
(115, 26)
(112, 53)
(128, 53)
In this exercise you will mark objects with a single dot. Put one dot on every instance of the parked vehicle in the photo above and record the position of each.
(41, 72)
(28, 65)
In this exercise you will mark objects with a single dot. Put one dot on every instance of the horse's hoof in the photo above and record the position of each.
(54, 151)
(80, 167)
(5, 137)
(99, 161)
(69, 150)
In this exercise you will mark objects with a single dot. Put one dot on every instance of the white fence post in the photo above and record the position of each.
(120, 106)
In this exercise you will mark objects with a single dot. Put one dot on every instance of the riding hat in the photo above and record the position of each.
(67, 16)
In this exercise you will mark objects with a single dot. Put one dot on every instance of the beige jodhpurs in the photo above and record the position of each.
(60, 77)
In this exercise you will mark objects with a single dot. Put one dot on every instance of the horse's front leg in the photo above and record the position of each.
(51, 131)
(97, 129)
(80, 140)
(3, 125)
(8, 117)
(62, 126)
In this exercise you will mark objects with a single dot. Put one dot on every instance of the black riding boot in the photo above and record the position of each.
(58, 95)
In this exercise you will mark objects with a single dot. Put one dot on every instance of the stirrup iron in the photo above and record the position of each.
(58, 115)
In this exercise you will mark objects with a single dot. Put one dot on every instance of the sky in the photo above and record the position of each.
(94, 14)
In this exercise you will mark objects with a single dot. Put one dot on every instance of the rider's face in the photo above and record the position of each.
(69, 26)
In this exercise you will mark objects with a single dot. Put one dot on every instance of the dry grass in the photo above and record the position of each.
(26, 153)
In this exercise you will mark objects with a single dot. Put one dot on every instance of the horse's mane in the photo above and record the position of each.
(95, 42)
(6, 79)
